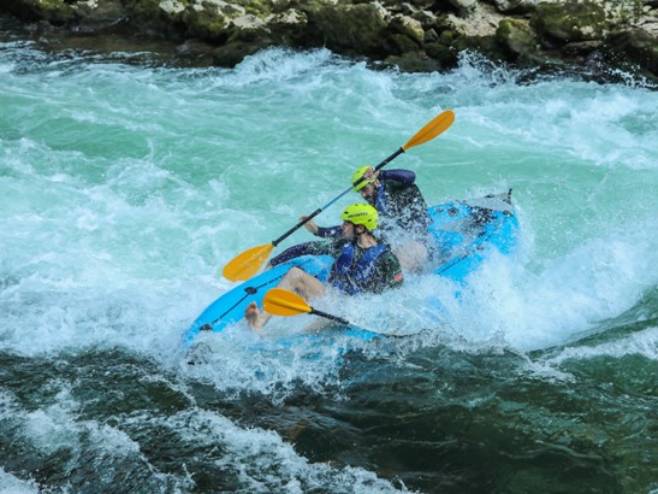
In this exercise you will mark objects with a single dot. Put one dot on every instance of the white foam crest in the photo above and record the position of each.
(52, 428)
(595, 281)
(263, 462)
(317, 81)
(13, 485)
(6, 68)
(277, 64)
(58, 427)
(598, 127)
(508, 304)
(126, 255)
(94, 314)
(603, 124)
(643, 343)
(274, 363)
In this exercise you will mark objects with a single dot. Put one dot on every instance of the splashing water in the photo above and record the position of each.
(125, 187)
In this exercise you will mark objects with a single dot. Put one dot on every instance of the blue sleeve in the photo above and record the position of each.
(403, 177)
(329, 232)
(313, 248)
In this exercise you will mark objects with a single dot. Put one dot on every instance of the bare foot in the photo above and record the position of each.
(254, 316)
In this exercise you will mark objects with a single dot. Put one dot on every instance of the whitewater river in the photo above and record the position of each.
(124, 187)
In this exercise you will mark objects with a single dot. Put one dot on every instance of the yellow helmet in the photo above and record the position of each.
(361, 214)
(358, 174)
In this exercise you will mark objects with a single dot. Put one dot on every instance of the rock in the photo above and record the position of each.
(259, 8)
(289, 26)
(572, 21)
(581, 48)
(54, 11)
(231, 10)
(517, 37)
(421, 4)
(431, 36)
(444, 55)
(639, 47)
(399, 43)
(216, 20)
(407, 9)
(412, 34)
(99, 10)
(409, 27)
(208, 23)
(248, 24)
(486, 45)
(426, 18)
(464, 7)
(447, 37)
(197, 52)
(172, 7)
(231, 54)
(100, 17)
(516, 6)
(413, 62)
(356, 28)
(483, 21)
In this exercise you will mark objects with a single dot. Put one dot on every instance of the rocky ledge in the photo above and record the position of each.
(417, 35)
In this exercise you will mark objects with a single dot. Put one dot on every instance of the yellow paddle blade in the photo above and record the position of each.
(282, 302)
(248, 263)
(433, 128)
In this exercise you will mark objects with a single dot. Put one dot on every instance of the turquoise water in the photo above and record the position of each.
(124, 188)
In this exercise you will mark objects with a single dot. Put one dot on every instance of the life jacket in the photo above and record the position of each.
(352, 277)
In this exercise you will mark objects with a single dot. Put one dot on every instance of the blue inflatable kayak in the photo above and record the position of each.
(465, 233)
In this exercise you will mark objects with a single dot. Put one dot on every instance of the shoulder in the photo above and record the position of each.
(387, 256)
(392, 268)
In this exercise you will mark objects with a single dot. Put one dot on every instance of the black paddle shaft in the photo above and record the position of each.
(329, 316)
(319, 210)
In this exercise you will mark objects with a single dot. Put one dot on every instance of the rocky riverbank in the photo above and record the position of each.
(417, 35)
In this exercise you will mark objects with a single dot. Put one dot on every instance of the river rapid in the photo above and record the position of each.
(125, 186)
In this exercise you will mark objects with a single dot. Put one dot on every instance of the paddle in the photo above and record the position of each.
(249, 262)
(280, 302)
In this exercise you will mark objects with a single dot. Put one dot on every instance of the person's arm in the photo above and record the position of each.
(334, 232)
(317, 248)
(402, 177)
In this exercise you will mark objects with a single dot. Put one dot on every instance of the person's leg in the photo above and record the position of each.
(302, 283)
(295, 280)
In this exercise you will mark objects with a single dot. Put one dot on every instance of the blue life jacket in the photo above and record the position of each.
(352, 277)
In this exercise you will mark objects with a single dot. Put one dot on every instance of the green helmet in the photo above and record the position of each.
(361, 214)
(358, 174)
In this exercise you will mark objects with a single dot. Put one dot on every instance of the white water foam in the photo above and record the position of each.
(13, 485)
(643, 343)
(118, 224)
(262, 461)
(56, 427)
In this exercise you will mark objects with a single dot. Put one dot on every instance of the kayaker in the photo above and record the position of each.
(402, 211)
(362, 263)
